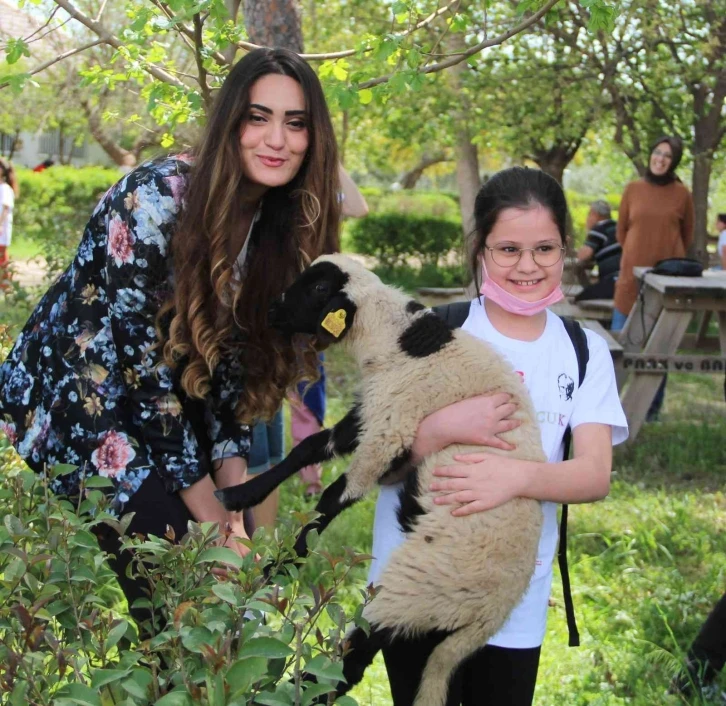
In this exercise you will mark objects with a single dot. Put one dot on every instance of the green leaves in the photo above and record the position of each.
(16, 49)
(78, 694)
(268, 647)
(175, 698)
(221, 555)
(324, 668)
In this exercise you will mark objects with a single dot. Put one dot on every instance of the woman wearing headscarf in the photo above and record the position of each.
(655, 221)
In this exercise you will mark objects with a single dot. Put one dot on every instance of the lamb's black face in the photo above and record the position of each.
(316, 304)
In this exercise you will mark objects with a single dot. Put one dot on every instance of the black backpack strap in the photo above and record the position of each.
(579, 342)
(454, 314)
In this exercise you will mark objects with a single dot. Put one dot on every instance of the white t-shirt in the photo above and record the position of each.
(721, 243)
(7, 199)
(548, 367)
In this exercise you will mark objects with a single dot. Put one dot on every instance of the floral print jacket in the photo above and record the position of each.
(83, 384)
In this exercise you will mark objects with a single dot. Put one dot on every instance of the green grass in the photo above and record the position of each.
(25, 249)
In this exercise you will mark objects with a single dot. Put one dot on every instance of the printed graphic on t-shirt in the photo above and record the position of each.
(566, 386)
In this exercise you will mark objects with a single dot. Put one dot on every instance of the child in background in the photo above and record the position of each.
(307, 416)
(8, 192)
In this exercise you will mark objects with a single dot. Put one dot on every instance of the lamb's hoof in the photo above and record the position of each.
(233, 499)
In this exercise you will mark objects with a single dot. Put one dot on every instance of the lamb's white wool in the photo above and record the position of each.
(461, 575)
(456, 577)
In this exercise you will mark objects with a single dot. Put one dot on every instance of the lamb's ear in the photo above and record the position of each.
(336, 319)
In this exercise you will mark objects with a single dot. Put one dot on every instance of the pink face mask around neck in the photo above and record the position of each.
(515, 305)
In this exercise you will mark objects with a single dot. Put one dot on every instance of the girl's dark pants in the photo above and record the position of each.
(154, 509)
(708, 650)
(493, 676)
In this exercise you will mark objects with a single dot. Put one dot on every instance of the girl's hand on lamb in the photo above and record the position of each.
(476, 420)
(481, 481)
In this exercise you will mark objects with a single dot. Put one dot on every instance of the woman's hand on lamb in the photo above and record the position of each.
(477, 420)
(480, 481)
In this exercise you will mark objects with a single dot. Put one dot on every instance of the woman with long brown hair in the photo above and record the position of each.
(149, 357)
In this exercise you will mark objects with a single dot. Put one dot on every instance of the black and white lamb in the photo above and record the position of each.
(455, 577)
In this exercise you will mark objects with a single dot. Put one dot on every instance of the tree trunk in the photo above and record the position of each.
(122, 157)
(411, 177)
(707, 134)
(61, 140)
(467, 157)
(14, 143)
(274, 23)
(702, 166)
(467, 177)
(554, 167)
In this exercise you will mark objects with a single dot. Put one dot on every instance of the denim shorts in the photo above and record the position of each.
(268, 445)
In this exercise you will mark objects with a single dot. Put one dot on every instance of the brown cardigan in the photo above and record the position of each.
(654, 223)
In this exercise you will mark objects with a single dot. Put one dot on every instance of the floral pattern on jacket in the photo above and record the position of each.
(83, 384)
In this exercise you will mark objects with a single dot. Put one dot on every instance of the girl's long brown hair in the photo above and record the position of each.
(211, 321)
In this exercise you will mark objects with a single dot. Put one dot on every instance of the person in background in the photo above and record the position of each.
(307, 411)
(43, 165)
(655, 222)
(9, 191)
(267, 449)
(721, 245)
(602, 247)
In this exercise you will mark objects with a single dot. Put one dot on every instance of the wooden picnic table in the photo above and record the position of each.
(599, 309)
(656, 330)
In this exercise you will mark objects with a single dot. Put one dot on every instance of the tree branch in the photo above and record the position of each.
(187, 34)
(50, 62)
(476, 49)
(327, 56)
(108, 38)
(198, 45)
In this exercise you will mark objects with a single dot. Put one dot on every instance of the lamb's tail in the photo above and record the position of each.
(444, 661)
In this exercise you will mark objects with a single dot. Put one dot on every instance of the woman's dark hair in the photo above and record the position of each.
(721, 217)
(676, 145)
(517, 187)
(298, 222)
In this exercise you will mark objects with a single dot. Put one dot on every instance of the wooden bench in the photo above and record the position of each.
(616, 350)
(433, 296)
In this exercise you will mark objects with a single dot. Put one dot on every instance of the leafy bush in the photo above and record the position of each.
(417, 203)
(65, 639)
(395, 238)
(54, 207)
(229, 640)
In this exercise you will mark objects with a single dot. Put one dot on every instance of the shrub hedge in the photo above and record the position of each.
(54, 207)
(410, 232)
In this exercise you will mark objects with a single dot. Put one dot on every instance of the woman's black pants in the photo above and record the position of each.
(154, 509)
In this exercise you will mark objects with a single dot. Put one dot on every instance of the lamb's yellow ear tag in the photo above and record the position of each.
(334, 322)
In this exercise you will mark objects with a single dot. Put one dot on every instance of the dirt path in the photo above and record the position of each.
(29, 273)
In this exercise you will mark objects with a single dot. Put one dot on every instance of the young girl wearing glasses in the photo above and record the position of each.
(518, 260)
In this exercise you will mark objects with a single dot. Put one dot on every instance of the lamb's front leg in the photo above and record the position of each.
(369, 467)
(339, 440)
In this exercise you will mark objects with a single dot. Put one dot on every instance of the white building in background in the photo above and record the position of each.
(33, 148)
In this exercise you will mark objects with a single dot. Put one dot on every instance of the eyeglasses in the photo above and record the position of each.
(665, 155)
(544, 255)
